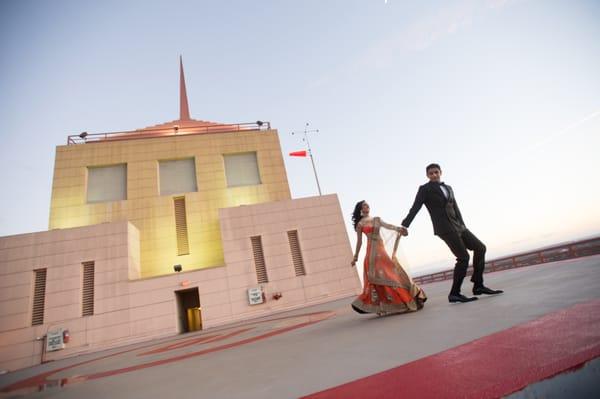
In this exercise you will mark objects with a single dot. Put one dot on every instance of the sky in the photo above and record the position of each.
(504, 94)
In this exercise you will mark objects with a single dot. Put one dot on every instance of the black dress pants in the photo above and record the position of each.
(458, 244)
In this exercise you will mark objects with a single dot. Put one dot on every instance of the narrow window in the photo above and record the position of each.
(39, 297)
(88, 289)
(183, 247)
(296, 253)
(259, 260)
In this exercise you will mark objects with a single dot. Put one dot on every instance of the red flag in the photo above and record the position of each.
(298, 154)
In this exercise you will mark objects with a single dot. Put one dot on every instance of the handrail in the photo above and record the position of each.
(538, 256)
(166, 131)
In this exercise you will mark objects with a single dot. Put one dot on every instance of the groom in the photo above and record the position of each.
(448, 224)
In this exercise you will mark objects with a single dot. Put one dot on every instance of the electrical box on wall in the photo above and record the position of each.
(55, 340)
(255, 296)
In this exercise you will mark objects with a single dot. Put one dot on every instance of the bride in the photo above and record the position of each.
(387, 288)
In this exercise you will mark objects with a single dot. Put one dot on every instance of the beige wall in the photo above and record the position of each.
(325, 249)
(129, 309)
(112, 246)
(153, 214)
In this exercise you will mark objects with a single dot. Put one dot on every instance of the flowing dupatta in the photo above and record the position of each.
(391, 242)
(379, 270)
(388, 289)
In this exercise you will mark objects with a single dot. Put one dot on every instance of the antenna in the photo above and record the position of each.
(305, 139)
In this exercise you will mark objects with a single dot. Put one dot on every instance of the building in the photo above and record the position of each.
(163, 230)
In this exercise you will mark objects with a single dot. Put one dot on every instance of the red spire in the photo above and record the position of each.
(184, 111)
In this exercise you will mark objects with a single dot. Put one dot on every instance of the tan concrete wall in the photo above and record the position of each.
(130, 309)
(112, 246)
(126, 308)
(153, 214)
(325, 249)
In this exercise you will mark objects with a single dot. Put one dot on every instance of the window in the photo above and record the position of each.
(183, 246)
(241, 169)
(259, 260)
(177, 176)
(39, 297)
(296, 253)
(107, 183)
(88, 289)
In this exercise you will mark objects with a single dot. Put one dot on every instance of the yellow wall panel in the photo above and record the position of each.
(153, 214)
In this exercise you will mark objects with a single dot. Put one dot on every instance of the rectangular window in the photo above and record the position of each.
(259, 260)
(183, 247)
(177, 176)
(296, 253)
(107, 183)
(39, 297)
(241, 169)
(88, 289)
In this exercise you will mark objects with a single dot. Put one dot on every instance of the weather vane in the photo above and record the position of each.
(303, 153)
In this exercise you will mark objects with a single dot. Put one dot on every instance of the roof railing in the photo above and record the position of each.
(554, 253)
(168, 131)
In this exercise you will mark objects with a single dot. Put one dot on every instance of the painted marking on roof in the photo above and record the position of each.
(492, 366)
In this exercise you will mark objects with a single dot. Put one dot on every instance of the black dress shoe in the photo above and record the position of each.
(460, 298)
(485, 290)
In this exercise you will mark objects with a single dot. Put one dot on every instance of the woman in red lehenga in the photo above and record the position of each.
(387, 287)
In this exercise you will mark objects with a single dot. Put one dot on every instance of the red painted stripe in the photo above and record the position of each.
(202, 352)
(493, 366)
(202, 340)
(41, 379)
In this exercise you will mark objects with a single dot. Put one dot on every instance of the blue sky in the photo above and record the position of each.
(505, 95)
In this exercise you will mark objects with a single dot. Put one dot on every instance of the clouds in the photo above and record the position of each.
(413, 32)
(427, 30)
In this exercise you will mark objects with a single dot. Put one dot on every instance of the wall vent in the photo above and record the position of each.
(259, 260)
(39, 297)
(88, 289)
(296, 253)
(183, 247)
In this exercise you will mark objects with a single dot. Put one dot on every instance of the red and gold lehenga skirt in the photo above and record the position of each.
(387, 288)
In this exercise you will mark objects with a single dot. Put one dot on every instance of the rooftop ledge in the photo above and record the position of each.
(175, 128)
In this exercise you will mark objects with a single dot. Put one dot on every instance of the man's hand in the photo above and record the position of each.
(403, 231)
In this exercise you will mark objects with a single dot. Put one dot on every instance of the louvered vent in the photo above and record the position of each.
(296, 253)
(183, 247)
(39, 297)
(259, 260)
(88, 289)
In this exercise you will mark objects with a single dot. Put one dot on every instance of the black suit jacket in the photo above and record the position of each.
(434, 199)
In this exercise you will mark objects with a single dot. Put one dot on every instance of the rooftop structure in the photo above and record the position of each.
(164, 230)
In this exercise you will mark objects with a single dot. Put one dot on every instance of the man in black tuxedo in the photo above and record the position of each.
(448, 224)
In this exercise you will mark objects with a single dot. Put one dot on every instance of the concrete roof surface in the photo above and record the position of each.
(308, 350)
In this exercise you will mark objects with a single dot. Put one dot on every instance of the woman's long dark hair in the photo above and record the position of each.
(356, 216)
